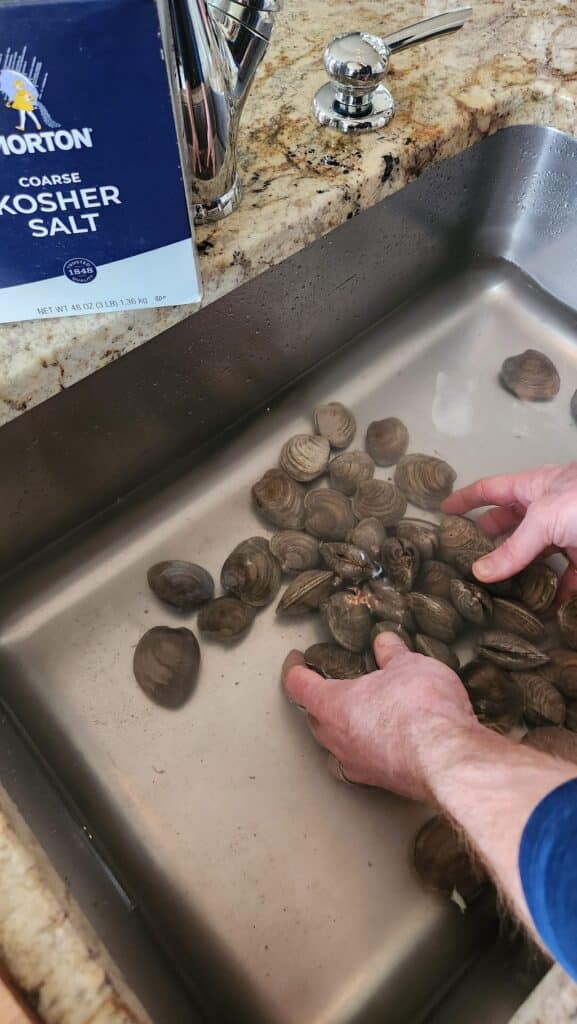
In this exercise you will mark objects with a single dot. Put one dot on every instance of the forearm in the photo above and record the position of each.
(489, 786)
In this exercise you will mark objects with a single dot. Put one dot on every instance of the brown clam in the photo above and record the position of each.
(435, 578)
(335, 422)
(571, 716)
(251, 572)
(424, 480)
(424, 535)
(379, 498)
(443, 862)
(334, 662)
(461, 541)
(369, 534)
(349, 621)
(328, 514)
(347, 561)
(536, 587)
(184, 585)
(436, 649)
(542, 702)
(496, 698)
(386, 604)
(472, 602)
(564, 670)
(166, 663)
(567, 619)
(435, 617)
(349, 469)
(280, 499)
(295, 550)
(400, 560)
(387, 440)
(305, 456)
(509, 651)
(530, 376)
(392, 627)
(307, 591)
(512, 617)
(552, 739)
(225, 618)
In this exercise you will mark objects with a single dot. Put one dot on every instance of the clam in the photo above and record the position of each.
(564, 670)
(571, 716)
(509, 651)
(443, 862)
(537, 586)
(392, 627)
(573, 406)
(424, 480)
(542, 702)
(530, 376)
(295, 550)
(334, 662)
(386, 604)
(349, 621)
(424, 535)
(567, 619)
(435, 578)
(461, 541)
(347, 561)
(305, 456)
(436, 649)
(512, 617)
(335, 422)
(307, 591)
(280, 499)
(387, 440)
(184, 585)
(400, 560)
(472, 602)
(379, 498)
(496, 698)
(552, 739)
(349, 469)
(369, 534)
(225, 618)
(435, 617)
(166, 663)
(328, 514)
(251, 572)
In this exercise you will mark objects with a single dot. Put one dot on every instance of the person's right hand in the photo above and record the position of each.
(539, 506)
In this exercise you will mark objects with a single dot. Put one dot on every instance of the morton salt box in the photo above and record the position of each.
(93, 208)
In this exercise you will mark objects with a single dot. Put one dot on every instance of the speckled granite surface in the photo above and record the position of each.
(554, 1001)
(515, 62)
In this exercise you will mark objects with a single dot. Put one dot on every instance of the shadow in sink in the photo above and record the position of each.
(289, 898)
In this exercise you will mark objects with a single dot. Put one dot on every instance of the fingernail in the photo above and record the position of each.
(482, 569)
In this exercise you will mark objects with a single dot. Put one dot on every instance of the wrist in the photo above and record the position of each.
(446, 749)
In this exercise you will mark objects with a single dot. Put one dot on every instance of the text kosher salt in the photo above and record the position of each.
(81, 199)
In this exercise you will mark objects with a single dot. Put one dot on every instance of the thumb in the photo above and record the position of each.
(515, 553)
(386, 647)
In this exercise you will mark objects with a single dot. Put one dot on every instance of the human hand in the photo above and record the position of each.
(388, 727)
(539, 506)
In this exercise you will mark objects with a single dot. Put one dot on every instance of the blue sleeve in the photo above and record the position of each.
(548, 868)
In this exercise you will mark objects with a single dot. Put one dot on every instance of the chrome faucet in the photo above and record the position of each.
(218, 45)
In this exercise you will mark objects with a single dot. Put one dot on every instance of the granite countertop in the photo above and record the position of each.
(515, 62)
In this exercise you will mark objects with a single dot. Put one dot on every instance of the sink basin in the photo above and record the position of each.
(280, 895)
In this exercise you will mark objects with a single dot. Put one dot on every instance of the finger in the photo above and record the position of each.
(386, 646)
(490, 490)
(337, 771)
(515, 553)
(301, 684)
(500, 520)
(568, 581)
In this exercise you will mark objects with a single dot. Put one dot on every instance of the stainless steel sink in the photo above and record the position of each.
(279, 895)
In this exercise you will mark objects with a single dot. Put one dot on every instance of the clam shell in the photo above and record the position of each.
(251, 572)
(461, 539)
(530, 376)
(424, 535)
(436, 649)
(305, 457)
(166, 663)
(435, 617)
(347, 561)
(424, 480)
(401, 561)
(567, 619)
(184, 585)
(542, 702)
(387, 440)
(564, 670)
(307, 591)
(509, 651)
(472, 602)
(225, 618)
(295, 550)
(435, 578)
(553, 739)
(537, 586)
(443, 862)
(512, 617)
(335, 422)
(571, 716)
(280, 499)
(349, 621)
(392, 627)
(328, 514)
(369, 534)
(381, 499)
(386, 604)
(496, 698)
(349, 469)
(334, 662)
